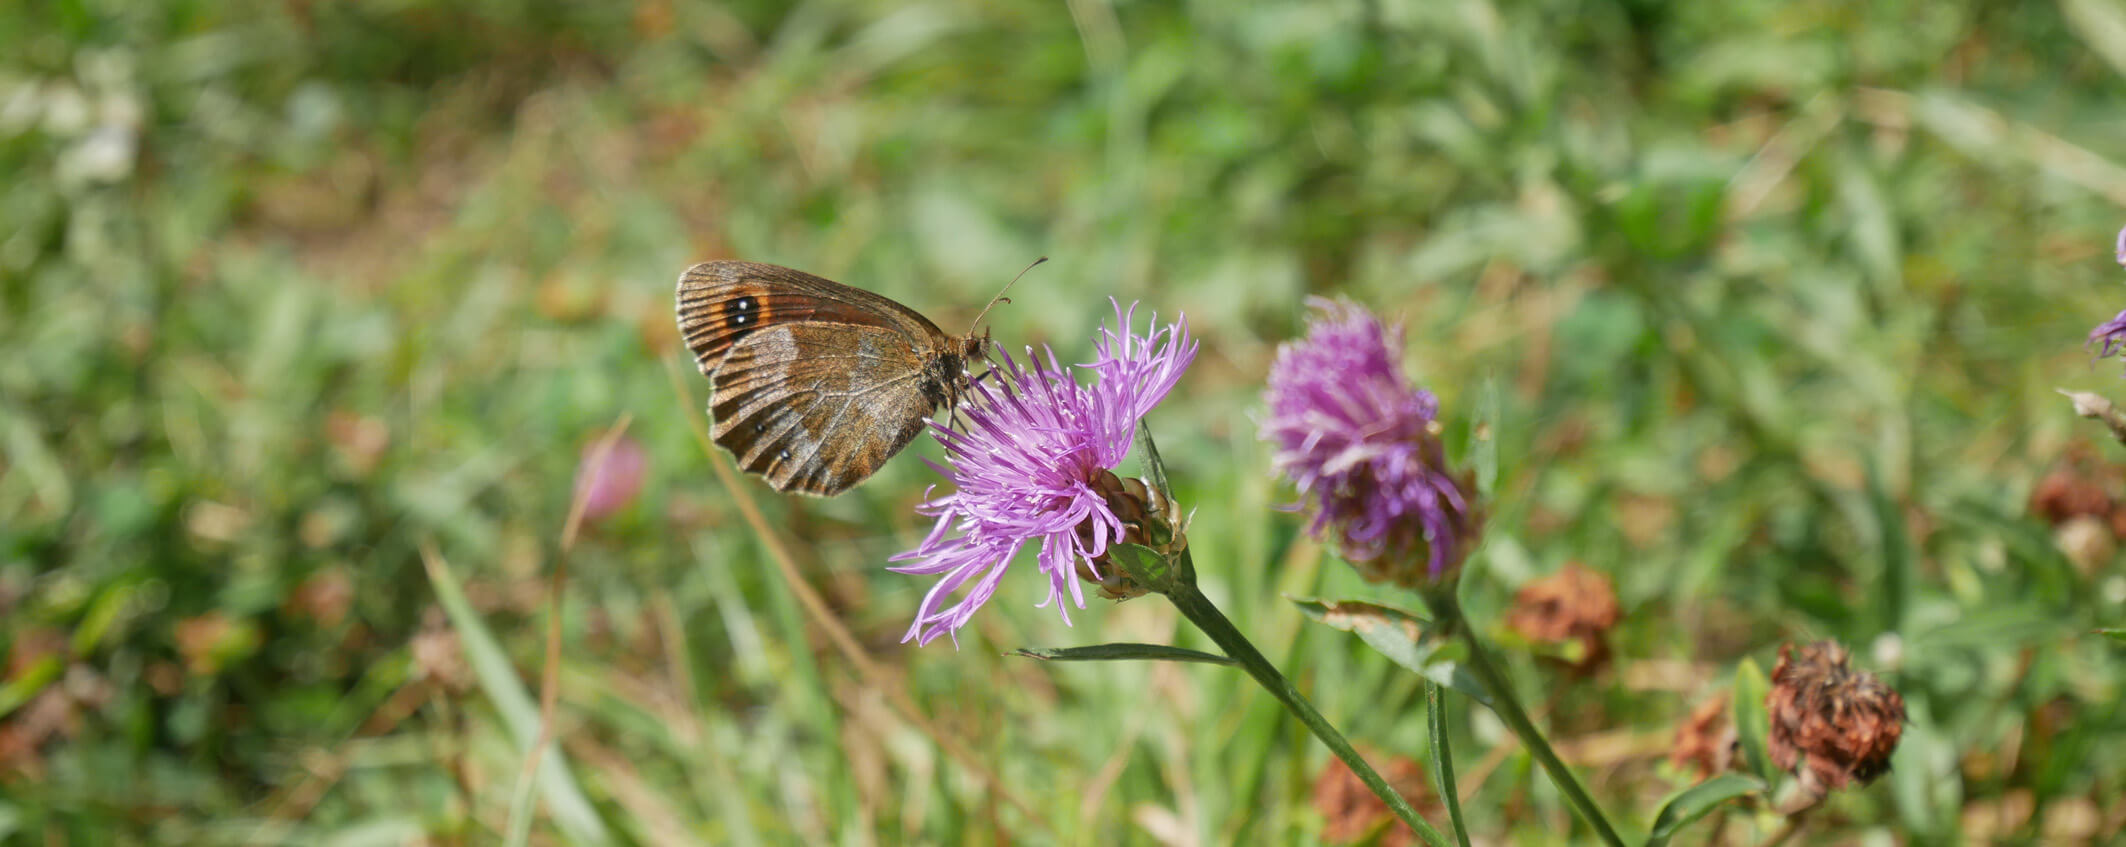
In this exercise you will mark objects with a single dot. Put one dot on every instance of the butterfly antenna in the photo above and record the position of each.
(1000, 298)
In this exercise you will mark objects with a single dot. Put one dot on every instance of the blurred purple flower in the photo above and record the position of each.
(2109, 337)
(1357, 440)
(607, 483)
(1029, 467)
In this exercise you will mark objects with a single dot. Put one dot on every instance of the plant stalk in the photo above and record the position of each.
(1199, 610)
(1508, 706)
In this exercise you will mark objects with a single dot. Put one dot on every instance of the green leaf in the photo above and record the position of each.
(103, 615)
(28, 681)
(1896, 547)
(1143, 564)
(1752, 726)
(1443, 761)
(2118, 635)
(1697, 801)
(1923, 783)
(1404, 638)
(1152, 463)
(1121, 651)
(1671, 214)
(1483, 453)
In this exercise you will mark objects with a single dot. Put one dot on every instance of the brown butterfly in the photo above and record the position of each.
(816, 384)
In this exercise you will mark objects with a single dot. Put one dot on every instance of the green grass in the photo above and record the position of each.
(1771, 300)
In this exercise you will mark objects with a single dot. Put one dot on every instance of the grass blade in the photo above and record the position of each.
(572, 811)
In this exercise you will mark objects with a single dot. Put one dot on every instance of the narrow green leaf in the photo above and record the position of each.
(2118, 635)
(1896, 550)
(572, 811)
(1483, 454)
(28, 682)
(109, 608)
(1697, 801)
(1752, 726)
(1443, 761)
(1152, 464)
(1121, 651)
(1406, 639)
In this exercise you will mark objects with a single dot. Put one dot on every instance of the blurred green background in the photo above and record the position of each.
(1766, 303)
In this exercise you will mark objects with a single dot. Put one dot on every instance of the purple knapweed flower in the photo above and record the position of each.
(2109, 337)
(1031, 466)
(1358, 441)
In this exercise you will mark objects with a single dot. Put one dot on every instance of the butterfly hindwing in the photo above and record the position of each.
(817, 407)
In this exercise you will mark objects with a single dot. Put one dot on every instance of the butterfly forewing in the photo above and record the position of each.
(816, 408)
(720, 303)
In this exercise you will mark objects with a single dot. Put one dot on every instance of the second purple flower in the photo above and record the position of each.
(1358, 441)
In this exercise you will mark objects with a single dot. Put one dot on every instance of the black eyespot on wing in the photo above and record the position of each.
(740, 315)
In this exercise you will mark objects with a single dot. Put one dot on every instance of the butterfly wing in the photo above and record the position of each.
(723, 302)
(815, 408)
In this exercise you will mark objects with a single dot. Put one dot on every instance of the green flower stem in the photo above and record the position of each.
(1199, 610)
(1508, 706)
(1443, 761)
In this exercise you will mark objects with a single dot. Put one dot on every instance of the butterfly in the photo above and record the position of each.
(816, 384)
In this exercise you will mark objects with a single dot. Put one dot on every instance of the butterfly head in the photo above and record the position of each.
(953, 370)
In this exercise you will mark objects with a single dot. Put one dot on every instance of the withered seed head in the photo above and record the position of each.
(1830, 724)
(2069, 491)
(1352, 811)
(1705, 742)
(1576, 604)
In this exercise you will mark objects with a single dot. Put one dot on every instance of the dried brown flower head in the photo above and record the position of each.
(1354, 811)
(1830, 724)
(2070, 490)
(2082, 488)
(1574, 605)
(1705, 741)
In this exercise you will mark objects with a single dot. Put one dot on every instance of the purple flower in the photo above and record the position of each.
(607, 480)
(1357, 440)
(2109, 337)
(1030, 466)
